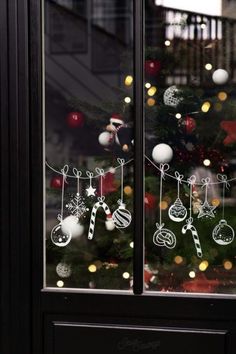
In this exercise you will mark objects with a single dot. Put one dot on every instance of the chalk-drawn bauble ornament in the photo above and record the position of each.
(177, 212)
(164, 237)
(121, 217)
(172, 97)
(63, 270)
(60, 238)
(223, 234)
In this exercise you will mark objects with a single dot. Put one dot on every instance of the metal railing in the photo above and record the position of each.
(194, 40)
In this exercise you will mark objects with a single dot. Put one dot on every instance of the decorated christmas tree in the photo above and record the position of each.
(190, 176)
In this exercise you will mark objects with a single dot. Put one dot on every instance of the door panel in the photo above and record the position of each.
(126, 339)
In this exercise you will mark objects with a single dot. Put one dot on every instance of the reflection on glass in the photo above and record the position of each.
(190, 115)
(88, 144)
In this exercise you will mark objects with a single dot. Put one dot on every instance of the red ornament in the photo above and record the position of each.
(230, 128)
(188, 124)
(200, 284)
(152, 67)
(108, 184)
(56, 182)
(75, 119)
(149, 201)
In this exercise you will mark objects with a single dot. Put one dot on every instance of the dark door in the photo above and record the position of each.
(117, 177)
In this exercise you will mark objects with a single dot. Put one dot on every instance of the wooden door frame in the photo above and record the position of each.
(15, 179)
(4, 180)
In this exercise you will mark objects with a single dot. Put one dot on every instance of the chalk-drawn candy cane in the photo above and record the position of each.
(109, 222)
(100, 204)
(189, 227)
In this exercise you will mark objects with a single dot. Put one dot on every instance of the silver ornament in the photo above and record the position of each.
(63, 270)
(170, 96)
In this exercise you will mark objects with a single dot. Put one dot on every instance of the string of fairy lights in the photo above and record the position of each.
(206, 105)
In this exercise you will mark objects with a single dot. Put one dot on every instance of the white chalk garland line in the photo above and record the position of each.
(197, 183)
(90, 176)
(201, 184)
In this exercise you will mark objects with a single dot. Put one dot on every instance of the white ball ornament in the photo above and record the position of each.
(105, 139)
(171, 96)
(71, 225)
(220, 76)
(162, 153)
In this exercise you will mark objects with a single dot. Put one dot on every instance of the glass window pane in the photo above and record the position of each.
(190, 101)
(88, 144)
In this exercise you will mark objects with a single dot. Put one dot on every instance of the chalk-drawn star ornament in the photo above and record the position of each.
(90, 191)
(206, 210)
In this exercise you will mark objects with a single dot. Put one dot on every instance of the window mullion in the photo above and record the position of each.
(139, 146)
